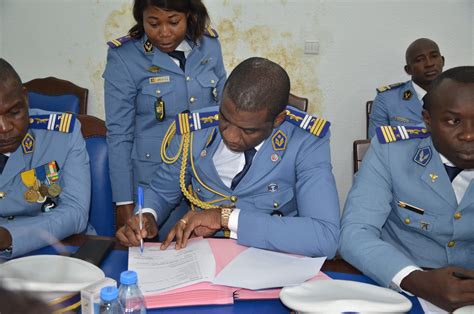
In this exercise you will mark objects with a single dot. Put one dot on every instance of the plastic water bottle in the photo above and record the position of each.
(130, 296)
(109, 303)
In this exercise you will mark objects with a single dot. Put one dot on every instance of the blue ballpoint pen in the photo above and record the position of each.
(140, 220)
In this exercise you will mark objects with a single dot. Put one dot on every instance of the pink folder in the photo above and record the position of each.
(205, 293)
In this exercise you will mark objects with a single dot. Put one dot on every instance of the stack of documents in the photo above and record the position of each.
(216, 271)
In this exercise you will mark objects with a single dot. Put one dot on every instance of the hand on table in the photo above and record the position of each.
(441, 288)
(197, 223)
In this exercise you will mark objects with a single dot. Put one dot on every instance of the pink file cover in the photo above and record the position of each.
(205, 293)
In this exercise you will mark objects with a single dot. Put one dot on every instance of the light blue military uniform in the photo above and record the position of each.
(144, 90)
(290, 174)
(50, 138)
(402, 209)
(395, 104)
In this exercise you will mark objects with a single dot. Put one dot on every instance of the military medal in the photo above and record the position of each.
(274, 157)
(54, 190)
(48, 205)
(160, 112)
(29, 179)
(36, 186)
(43, 189)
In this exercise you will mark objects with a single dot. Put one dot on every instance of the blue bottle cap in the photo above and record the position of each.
(128, 277)
(109, 293)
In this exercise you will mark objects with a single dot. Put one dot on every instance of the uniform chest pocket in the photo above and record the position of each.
(150, 95)
(282, 201)
(208, 83)
(411, 216)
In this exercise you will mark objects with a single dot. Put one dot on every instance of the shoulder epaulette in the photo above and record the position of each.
(192, 121)
(316, 126)
(115, 43)
(61, 122)
(388, 87)
(210, 32)
(389, 134)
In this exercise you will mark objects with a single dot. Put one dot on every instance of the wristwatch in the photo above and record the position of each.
(225, 214)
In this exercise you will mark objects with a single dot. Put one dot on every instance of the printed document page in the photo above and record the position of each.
(160, 271)
(261, 269)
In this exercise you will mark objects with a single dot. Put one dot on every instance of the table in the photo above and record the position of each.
(117, 261)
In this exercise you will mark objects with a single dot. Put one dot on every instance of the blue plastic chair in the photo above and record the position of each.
(53, 94)
(102, 209)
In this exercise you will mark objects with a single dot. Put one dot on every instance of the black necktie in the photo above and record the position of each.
(452, 171)
(180, 56)
(3, 162)
(248, 162)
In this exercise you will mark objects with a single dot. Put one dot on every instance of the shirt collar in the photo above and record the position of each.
(420, 92)
(185, 47)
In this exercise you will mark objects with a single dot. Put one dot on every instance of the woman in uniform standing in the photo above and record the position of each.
(170, 61)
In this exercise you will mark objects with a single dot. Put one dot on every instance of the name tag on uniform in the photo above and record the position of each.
(411, 207)
(159, 79)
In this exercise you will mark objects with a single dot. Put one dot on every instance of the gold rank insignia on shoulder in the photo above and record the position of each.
(316, 126)
(115, 43)
(28, 144)
(388, 134)
(148, 46)
(61, 122)
(192, 121)
(279, 140)
(210, 32)
(382, 89)
(407, 94)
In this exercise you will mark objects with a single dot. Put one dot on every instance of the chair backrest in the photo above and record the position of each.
(53, 94)
(298, 102)
(102, 209)
(368, 110)
(359, 149)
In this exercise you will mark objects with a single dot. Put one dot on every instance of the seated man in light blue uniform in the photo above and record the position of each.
(261, 171)
(412, 203)
(401, 103)
(44, 172)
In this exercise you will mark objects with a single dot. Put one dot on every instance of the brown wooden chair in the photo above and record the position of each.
(359, 149)
(368, 110)
(102, 209)
(298, 102)
(53, 94)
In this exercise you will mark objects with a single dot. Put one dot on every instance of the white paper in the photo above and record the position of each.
(160, 271)
(261, 269)
(430, 308)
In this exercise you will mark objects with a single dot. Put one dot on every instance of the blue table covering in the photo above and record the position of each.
(117, 261)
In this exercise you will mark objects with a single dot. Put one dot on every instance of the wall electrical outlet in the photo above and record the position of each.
(311, 47)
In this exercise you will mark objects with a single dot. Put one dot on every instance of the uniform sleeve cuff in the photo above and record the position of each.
(397, 279)
(123, 203)
(234, 223)
(149, 210)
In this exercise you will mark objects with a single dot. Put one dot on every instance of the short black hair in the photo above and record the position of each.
(257, 84)
(8, 73)
(462, 74)
(198, 19)
(413, 45)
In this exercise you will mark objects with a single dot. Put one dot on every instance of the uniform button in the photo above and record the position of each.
(192, 99)
(233, 198)
(457, 215)
(11, 217)
(275, 205)
(188, 78)
(232, 204)
(198, 190)
(147, 155)
(158, 91)
(3, 195)
(212, 81)
(407, 221)
(451, 243)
